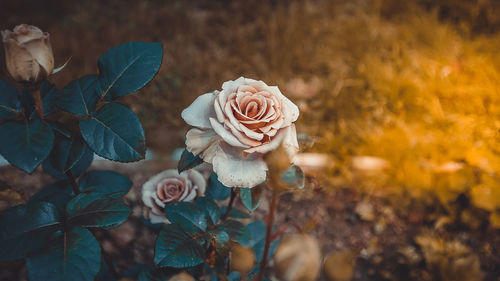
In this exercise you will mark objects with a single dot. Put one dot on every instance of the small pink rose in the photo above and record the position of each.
(169, 187)
(237, 125)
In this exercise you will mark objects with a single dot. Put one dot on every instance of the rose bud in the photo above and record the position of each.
(237, 126)
(298, 258)
(28, 53)
(169, 187)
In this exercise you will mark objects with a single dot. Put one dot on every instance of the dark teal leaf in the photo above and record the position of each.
(250, 197)
(96, 210)
(222, 237)
(115, 133)
(235, 213)
(58, 193)
(187, 214)
(294, 177)
(59, 128)
(79, 167)
(253, 272)
(176, 247)
(233, 276)
(25, 228)
(66, 153)
(188, 161)
(10, 105)
(216, 189)
(111, 183)
(134, 271)
(211, 209)
(50, 97)
(128, 67)
(27, 103)
(235, 229)
(72, 256)
(150, 273)
(105, 273)
(27, 144)
(80, 96)
(256, 233)
(259, 249)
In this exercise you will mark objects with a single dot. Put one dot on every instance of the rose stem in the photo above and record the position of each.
(269, 232)
(230, 205)
(105, 255)
(38, 103)
(72, 180)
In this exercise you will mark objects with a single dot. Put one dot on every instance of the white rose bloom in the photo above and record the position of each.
(236, 126)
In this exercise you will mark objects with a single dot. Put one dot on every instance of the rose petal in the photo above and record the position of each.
(198, 180)
(232, 86)
(242, 138)
(225, 134)
(272, 145)
(199, 112)
(41, 51)
(20, 63)
(290, 141)
(154, 218)
(233, 169)
(202, 142)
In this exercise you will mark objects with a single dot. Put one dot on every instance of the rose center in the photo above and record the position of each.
(252, 109)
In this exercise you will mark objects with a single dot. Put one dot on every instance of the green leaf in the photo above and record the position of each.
(27, 144)
(256, 233)
(188, 161)
(294, 177)
(251, 197)
(187, 214)
(235, 213)
(149, 273)
(59, 128)
(235, 229)
(111, 183)
(66, 153)
(80, 96)
(72, 256)
(25, 228)
(105, 273)
(210, 208)
(10, 105)
(50, 97)
(96, 210)
(78, 168)
(58, 193)
(27, 104)
(176, 247)
(128, 67)
(257, 239)
(216, 189)
(115, 133)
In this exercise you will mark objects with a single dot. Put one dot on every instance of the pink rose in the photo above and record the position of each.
(28, 53)
(237, 125)
(169, 187)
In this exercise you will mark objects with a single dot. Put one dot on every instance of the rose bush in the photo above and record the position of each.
(28, 53)
(237, 125)
(169, 187)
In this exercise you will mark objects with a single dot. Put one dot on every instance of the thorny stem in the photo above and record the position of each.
(269, 232)
(72, 180)
(230, 205)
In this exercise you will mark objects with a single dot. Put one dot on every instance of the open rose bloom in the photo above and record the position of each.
(236, 126)
(169, 187)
